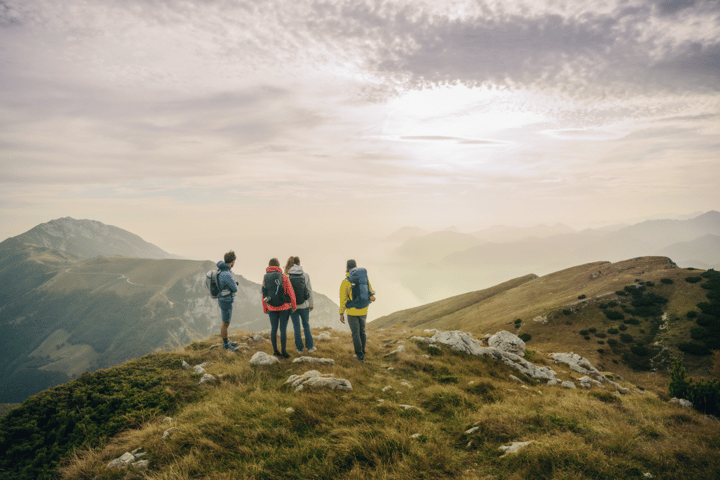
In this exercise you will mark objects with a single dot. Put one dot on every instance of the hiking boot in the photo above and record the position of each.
(276, 353)
(300, 352)
(285, 355)
(310, 350)
(229, 346)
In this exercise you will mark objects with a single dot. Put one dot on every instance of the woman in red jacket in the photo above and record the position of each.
(278, 301)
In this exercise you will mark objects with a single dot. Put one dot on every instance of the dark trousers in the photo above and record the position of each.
(357, 327)
(279, 319)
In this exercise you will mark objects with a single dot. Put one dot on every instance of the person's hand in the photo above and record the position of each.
(311, 309)
(342, 318)
(293, 310)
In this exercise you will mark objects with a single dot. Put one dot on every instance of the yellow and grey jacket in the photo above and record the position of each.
(346, 296)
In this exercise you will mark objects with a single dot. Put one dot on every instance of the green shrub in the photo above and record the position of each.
(697, 333)
(626, 338)
(601, 342)
(601, 335)
(601, 351)
(518, 321)
(640, 350)
(621, 293)
(622, 327)
(584, 332)
(592, 330)
(612, 331)
(567, 312)
(649, 284)
(612, 342)
(582, 297)
(525, 337)
(587, 337)
(693, 279)
(632, 321)
(692, 314)
(694, 349)
(614, 315)
(667, 281)
(704, 395)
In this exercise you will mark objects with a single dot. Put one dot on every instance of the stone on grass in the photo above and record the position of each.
(262, 358)
(568, 385)
(507, 342)
(514, 447)
(321, 361)
(206, 378)
(315, 379)
(682, 401)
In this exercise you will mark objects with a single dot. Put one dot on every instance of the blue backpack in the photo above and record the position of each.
(360, 290)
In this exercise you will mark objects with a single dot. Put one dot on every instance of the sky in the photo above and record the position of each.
(283, 127)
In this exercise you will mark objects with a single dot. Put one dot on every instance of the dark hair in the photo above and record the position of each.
(351, 264)
(230, 257)
(274, 262)
(290, 262)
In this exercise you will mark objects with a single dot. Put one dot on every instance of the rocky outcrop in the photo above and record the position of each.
(315, 379)
(262, 358)
(507, 342)
(583, 365)
(321, 361)
(464, 342)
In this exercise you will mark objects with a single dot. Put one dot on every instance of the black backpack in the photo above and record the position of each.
(273, 289)
(299, 286)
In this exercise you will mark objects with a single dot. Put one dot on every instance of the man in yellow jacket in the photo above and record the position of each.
(356, 280)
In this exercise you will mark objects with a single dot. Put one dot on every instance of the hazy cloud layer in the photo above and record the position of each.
(395, 113)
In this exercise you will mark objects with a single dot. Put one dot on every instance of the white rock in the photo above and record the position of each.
(515, 379)
(399, 349)
(322, 361)
(464, 342)
(385, 389)
(199, 369)
(262, 358)
(186, 365)
(289, 410)
(682, 401)
(257, 338)
(568, 385)
(142, 464)
(507, 342)
(124, 460)
(514, 447)
(168, 432)
(324, 336)
(315, 379)
(472, 430)
(415, 435)
(410, 407)
(206, 378)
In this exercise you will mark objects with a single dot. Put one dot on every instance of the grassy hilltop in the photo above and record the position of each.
(251, 424)
(632, 316)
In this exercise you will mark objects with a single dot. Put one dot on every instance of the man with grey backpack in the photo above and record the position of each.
(227, 287)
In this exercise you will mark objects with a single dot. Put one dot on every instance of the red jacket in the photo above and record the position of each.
(288, 291)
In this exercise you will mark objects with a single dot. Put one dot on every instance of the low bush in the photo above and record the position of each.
(626, 338)
(584, 332)
(613, 331)
(693, 279)
(694, 349)
(567, 312)
(667, 281)
(640, 350)
(614, 315)
(582, 297)
(632, 321)
(692, 314)
(622, 327)
(704, 395)
(612, 342)
(518, 321)
(525, 337)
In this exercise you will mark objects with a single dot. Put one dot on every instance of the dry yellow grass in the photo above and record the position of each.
(240, 427)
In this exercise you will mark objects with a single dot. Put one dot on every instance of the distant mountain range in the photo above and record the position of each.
(434, 264)
(65, 310)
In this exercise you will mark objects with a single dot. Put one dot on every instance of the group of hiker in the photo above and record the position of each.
(287, 295)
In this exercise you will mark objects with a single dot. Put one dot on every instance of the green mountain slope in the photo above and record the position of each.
(61, 315)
